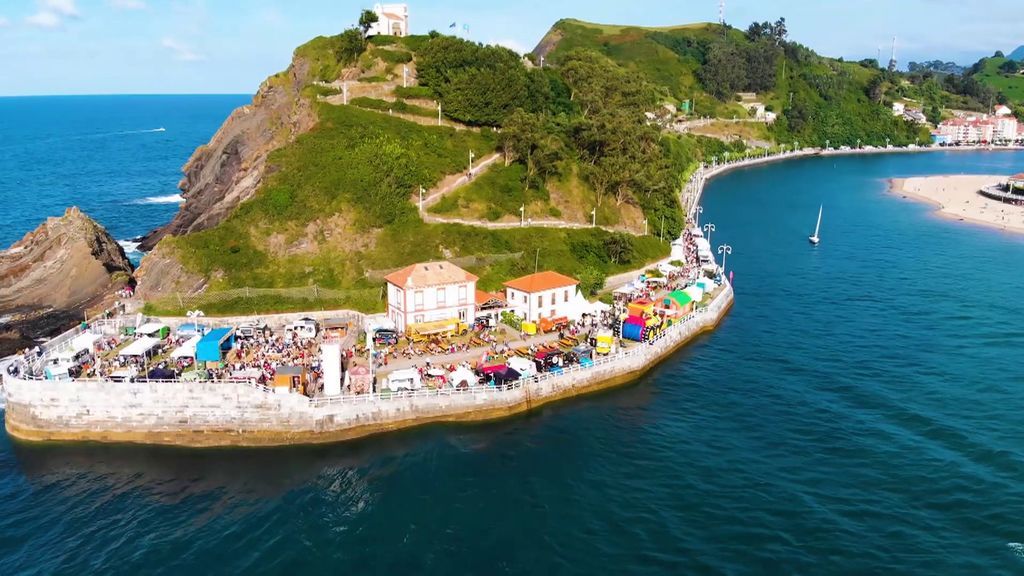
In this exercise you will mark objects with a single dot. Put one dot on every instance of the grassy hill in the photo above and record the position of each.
(817, 98)
(1011, 85)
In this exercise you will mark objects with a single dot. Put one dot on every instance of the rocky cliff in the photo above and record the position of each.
(228, 170)
(50, 276)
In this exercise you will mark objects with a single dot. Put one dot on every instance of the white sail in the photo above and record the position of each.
(817, 226)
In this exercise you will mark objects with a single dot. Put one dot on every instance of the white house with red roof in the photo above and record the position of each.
(392, 20)
(428, 292)
(543, 295)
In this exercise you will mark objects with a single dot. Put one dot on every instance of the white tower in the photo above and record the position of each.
(721, 12)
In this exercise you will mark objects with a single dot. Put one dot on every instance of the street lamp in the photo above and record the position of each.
(593, 216)
(709, 228)
(645, 226)
(796, 146)
(887, 143)
(696, 219)
(522, 215)
(826, 145)
(858, 143)
(470, 162)
(724, 250)
(421, 198)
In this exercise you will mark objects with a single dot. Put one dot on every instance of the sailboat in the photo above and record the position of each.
(813, 238)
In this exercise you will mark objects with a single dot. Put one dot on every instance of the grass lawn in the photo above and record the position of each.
(1010, 85)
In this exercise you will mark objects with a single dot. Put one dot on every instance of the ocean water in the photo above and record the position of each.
(118, 158)
(857, 412)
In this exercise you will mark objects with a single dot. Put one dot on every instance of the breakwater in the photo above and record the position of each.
(238, 413)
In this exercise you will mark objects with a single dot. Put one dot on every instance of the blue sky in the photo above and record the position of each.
(229, 46)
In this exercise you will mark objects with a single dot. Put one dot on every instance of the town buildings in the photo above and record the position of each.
(392, 20)
(980, 129)
(428, 292)
(542, 295)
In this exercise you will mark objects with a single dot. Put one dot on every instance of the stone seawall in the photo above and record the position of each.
(240, 414)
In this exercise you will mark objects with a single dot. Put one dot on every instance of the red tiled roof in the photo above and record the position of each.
(429, 274)
(485, 297)
(541, 281)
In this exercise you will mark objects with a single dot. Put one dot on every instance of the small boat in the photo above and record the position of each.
(813, 238)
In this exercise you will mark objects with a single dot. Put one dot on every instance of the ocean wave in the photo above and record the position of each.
(168, 199)
(160, 129)
(129, 246)
(1017, 548)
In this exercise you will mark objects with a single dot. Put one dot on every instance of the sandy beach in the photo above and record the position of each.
(957, 197)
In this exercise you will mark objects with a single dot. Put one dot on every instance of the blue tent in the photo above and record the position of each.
(212, 347)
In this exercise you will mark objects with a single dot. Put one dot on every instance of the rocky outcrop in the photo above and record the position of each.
(162, 274)
(61, 268)
(227, 171)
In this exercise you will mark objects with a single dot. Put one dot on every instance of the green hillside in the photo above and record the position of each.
(817, 98)
(1010, 85)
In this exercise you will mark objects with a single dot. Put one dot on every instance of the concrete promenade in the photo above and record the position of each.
(241, 414)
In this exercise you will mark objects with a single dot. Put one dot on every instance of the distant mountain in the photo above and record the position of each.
(1017, 54)
(937, 66)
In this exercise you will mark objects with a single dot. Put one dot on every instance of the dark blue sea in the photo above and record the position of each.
(860, 411)
(118, 158)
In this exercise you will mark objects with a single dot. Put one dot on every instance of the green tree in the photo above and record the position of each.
(1009, 67)
(591, 280)
(619, 247)
(367, 19)
(725, 71)
(351, 45)
(532, 140)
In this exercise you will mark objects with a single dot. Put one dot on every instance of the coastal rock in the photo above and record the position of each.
(227, 171)
(163, 275)
(61, 268)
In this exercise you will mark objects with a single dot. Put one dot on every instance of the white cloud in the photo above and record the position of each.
(181, 51)
(127, 4)
(43, 19)
(4, 22)
(60, 7)
(52, 13)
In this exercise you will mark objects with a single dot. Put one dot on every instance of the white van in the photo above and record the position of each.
(407, 379)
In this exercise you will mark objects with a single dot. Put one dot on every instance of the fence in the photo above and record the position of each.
(263, 300)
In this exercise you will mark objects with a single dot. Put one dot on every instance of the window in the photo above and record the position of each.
(417, 319)
(418, 300)
(566, 295)
(540, 301)
(462, 294)
(524, 298)
(462, 314)
(441, 297)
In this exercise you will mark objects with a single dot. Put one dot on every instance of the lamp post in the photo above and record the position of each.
(645, 226)
(796, 146)
(593, 218)
(522, 215)
(886, 143)
(709, 228)
(696, 219)
(826, 145)
(858, 143)
(421, 198)
(405, 76)
(724, 250)
(438, 112)
(471, 162)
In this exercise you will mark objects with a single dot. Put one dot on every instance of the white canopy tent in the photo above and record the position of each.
(694, 292)
(188, 349)
(140, 347)
(84, 341)
(150, 328)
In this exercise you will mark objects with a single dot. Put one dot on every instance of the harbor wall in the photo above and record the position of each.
(242, 414)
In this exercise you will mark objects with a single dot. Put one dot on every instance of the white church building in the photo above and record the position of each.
(392, 20)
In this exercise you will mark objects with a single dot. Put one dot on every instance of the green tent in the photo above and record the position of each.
(681, 298)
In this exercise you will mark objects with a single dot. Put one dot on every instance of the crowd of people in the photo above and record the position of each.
(267, 353)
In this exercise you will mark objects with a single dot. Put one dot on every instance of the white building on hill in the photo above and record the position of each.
(392, 20)
(429, 292)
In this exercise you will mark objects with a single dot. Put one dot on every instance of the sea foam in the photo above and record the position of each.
(168, 199)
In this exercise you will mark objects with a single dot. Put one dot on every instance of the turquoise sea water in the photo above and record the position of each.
(858, 412)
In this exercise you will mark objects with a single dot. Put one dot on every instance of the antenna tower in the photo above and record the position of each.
(721, 12)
